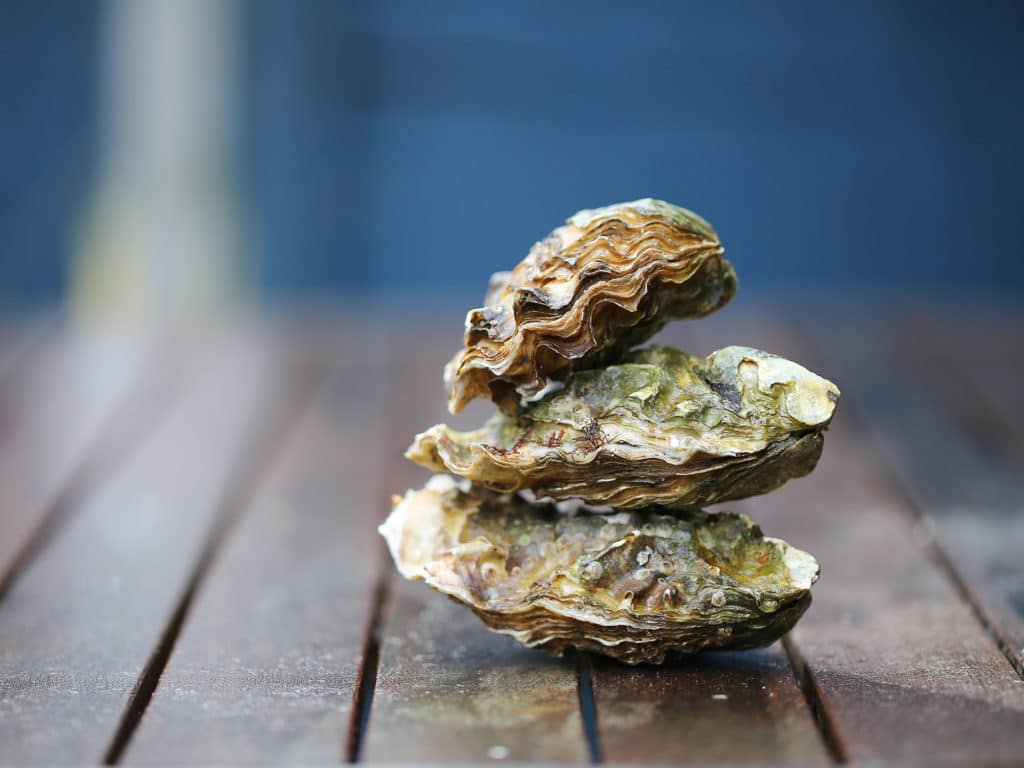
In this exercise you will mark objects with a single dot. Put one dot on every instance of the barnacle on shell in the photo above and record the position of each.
(607, 280)
(660, 427)
(634, 585)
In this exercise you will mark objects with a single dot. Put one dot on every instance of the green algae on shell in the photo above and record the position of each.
(635, 586)
(661, 427)
(607, 280)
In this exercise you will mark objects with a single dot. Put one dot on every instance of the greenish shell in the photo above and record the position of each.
(603, 283)
(661, 427)
(636, 586)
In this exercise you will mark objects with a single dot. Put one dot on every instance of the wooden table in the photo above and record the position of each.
(189, 571)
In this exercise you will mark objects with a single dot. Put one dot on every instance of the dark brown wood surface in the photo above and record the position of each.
(964, 487)
(726, 707)
(447, 687)
(899, 666)
(65, 415)
(450, 689)
(80, 625)
(978, 519)
(267, 662)
(718, 707)
(194, 577)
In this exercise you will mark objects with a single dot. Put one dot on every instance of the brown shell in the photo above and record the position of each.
(606, 281)
(636, 586)
(661, 427)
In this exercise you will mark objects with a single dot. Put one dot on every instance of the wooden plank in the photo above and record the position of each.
(983, 389)
(895, 660)
(717, 707)
(951, 458)
(731, 707)
(268, 661)
(20, 337)
(66, 416)
(94, 610)
(448, 690)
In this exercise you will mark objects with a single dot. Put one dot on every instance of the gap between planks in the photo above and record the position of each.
(588, 705)
(268, 436)
(985, 424)
(363, 694)
(128, 424)
(369, 665)
(815, 701)
(923, 522)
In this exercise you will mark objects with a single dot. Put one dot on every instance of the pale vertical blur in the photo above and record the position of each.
(160, 239)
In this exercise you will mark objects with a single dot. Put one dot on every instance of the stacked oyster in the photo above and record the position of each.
(577, 522)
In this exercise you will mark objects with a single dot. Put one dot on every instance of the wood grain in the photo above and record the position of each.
(64, 414)
(930, 427)
(973, 377)
(79, 626)
(983, 387)
(273, 574)
(899, 665)
(448, 690)
(716, 707)
(732, 707)
(267, 663)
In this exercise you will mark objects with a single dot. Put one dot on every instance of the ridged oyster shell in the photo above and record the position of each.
(606, 281)
(661, 427)
(634, 585)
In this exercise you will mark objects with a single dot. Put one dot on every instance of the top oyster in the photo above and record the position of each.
(634, 585)
(661, 427)
(606, 281)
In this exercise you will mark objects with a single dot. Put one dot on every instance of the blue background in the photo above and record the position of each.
(411, 147)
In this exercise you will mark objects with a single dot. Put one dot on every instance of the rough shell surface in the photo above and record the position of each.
(662, 427)
(634, 585)
(606, 281)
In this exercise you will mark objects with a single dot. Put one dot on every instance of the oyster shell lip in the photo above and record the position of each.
(394, 526)
(427, 450)
(576, 520)
(450, 533)
(647, 206)
(812, 404)
(661, 427)
(609, 279)
(653, 648)
(803, 569)
(637, 650)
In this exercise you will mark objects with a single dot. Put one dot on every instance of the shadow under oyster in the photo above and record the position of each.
(660, 427)
(607, 280)
(636, 586)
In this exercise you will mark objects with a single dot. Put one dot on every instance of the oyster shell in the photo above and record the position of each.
(661, 427)
(606, 281)
(634, 585)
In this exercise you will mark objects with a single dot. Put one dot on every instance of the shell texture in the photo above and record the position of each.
(607, 280)
(636, 586)
(659, 428)
(573, 518)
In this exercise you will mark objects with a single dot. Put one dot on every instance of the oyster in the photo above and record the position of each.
(606, 281)
(634, 585)
(660, 427)
(654, 433)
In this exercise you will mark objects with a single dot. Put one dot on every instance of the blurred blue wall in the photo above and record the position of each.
(421, 145)
(48, 52)
(407, 145)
